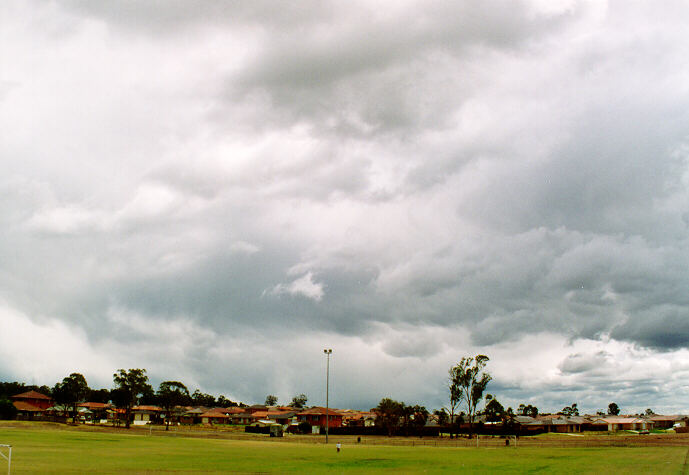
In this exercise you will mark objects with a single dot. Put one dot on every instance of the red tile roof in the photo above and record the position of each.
(215, 414)
(320, 411)
(31, 395)
(146, 408)
(26, 407)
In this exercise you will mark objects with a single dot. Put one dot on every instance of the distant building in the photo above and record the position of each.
(31, 404)
(316, 416)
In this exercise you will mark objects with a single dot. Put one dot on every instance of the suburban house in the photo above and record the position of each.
(668, 422)
(282, 417)
(97, 411)
(192, 415)
(553, 423)
(244, 418)
(615, 423)
(316, 416)
(215, 416)
(146, 414)
(352, 418)
(31, 404)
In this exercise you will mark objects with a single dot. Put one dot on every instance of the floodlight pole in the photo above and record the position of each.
(328, 352)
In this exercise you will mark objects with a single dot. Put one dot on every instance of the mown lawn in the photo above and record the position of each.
(71, 450)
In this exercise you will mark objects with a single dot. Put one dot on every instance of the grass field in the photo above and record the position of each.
(42, 448)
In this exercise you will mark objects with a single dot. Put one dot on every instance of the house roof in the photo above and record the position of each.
(30, 395)
(281, 414)
(94, 405)
(659, 418)
(243, 415)
(147, 408)
(523, 419)
(215, 414)
(26, 407)
(622, 420)
(315, 411)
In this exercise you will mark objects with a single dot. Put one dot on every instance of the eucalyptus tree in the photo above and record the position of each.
(467, 384)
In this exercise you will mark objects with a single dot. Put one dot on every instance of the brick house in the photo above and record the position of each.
(316, 416)
(31, 404)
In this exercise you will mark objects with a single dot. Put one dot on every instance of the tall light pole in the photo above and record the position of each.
(327, 352)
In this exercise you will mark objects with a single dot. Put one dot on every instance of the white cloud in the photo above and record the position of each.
(304, 286)
(417, 182)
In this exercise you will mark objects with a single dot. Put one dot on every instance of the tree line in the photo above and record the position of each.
(131, 388)
(467, 383)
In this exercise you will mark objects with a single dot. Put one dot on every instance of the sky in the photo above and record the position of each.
(216, 191)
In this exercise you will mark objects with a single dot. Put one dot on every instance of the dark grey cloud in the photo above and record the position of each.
(187, 182)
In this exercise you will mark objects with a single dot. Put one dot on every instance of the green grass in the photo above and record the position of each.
(59, 449)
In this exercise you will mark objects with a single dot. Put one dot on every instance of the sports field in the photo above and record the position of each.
(42, 448)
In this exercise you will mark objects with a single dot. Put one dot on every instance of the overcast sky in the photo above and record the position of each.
(217, 191)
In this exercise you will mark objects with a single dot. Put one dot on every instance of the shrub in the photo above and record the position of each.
(7, 409)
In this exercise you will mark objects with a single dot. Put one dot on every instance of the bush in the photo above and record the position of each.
(7, 410)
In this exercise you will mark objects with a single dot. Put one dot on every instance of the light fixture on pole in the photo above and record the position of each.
(327, 352)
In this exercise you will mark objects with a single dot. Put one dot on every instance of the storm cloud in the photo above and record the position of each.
(216, 191)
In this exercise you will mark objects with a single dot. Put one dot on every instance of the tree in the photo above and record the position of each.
(418, 417)
(494, 411)
(224, 402)
(649, 412)
(613, 409)
(99, 395)
(572, 410)
(170, 395)
(527, 410)
(299, 401)
(441, 415)
(468, 381)
(388, 414)
(7, 409)
(508, 419)
(271, 400)
(202, 399)
(130, 385)
(71, 391)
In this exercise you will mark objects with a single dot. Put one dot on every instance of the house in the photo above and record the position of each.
(317, 416)
(98, 411)
(352, 418)
(554, 423)
(58, 412)
(282, 417)
(146, 414)
(214, 417)
(667, 422)
(192, 415)
(234, 410)
(244, 418)
(31, 404)
(615, 423)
